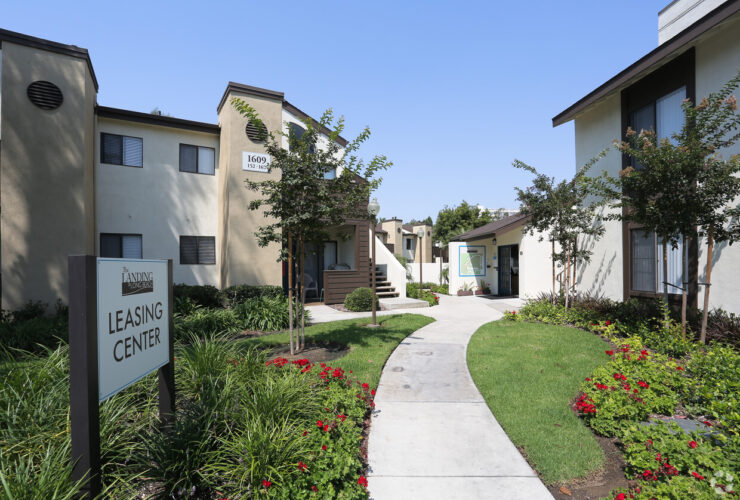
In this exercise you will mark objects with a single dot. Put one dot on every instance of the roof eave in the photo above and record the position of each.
(669, 48)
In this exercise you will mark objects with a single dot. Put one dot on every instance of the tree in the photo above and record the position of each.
(415, 222)
(452, 221)
(559, 209)
(302, 205)
(680, 183)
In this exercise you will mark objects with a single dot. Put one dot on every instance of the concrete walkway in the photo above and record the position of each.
(432, 434)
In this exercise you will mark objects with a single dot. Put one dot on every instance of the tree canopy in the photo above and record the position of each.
(452, 221)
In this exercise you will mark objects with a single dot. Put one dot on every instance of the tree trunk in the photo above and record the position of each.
(707, 284)
(290, 291)
(575, 262)
(665, 279)
(685, 286)
(554, 290)
(303, 297)
(566, 270)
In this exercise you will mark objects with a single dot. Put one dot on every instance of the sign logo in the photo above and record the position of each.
(255, 162)
(134, 283)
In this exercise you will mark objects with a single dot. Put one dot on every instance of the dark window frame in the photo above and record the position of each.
(198, 240)
(677, 73)
(120, 236)
(102, 152)
(197, 159)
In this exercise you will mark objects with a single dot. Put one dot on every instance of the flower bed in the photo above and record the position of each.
(245, 428)
(653, 371)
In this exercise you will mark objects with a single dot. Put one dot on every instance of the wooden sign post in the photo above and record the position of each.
(120, 330)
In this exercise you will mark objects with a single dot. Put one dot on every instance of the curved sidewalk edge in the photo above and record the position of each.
(432, 434)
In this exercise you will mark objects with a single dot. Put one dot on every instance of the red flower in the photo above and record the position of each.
(342, 417)
(372, 392)
(266, 483)
(619, 376)
(610, 353)
(362, 481)
(697, 476)
(607, 322)
(302, 466)
(323, 447)
(692, 444)
(644, 385)
(319, 423)
(365, 387)
(326, 427)
(314, 488)
(679, 368)
(620, 497)
(588, 379)
(708, 424)
(304, 433)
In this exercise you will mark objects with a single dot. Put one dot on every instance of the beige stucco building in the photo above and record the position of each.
(698, 52)
(79, 178)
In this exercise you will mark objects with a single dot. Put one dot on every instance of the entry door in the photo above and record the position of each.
(504, 270)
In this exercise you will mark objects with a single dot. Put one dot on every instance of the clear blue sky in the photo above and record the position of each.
(453, 91)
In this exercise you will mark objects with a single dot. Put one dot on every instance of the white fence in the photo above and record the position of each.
(430, 271)
(389, 265)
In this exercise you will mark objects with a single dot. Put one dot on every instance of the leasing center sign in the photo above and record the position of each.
(133, 321)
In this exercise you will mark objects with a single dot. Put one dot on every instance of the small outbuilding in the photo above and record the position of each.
(501, 259)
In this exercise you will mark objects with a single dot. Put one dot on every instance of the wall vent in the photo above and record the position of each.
(253, 132)
(45, 95)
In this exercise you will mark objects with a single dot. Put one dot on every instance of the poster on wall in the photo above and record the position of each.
(472, 260)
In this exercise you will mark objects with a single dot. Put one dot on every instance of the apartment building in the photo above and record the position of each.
(698, 52)
(79, 178)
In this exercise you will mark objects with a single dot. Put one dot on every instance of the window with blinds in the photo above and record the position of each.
(126, 246)
(664, 116)
(646, 262)
(197, 249)
(197, 159)
(121, 150)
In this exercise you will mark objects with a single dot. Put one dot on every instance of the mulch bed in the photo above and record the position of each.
(315, 353)
(601, 482)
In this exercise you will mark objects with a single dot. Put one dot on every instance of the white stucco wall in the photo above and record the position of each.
(678, 16)
(158, 201)
(595, 131)
(535, 264)
(430, 271)
(717, 61)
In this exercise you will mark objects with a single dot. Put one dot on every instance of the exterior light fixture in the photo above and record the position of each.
(494, 240)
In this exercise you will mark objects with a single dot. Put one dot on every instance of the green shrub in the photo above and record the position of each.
(266, 314)
(202, 295)
(361, 299)
(34, 335)
(237, 294)
(206, 322)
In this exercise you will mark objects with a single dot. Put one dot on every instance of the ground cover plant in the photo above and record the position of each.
(32, 329)
(528, 375)
(650, 371)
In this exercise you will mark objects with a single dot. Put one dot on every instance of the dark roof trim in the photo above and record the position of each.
(496, 227)
(162, 121)
(292, 109)
(249, 90)
(668, 48)
(59, 48)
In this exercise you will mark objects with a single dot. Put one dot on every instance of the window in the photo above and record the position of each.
(647, 263)
(408, 243)
(664, 116)
(121, 150)
(197, 249)
(126, 246)
(197, 159)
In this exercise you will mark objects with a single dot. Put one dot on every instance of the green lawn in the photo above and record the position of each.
(368, 347)
(528, 373)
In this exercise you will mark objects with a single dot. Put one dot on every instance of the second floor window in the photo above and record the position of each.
(664, 116)
(197, 159)
(121, 150)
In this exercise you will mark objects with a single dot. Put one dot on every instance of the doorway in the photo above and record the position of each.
(318, 258)
(508, 270)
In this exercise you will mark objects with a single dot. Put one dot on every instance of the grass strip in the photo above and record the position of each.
(369, 348)
(528, 374)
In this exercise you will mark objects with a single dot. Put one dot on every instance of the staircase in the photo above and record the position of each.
(384, 289)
